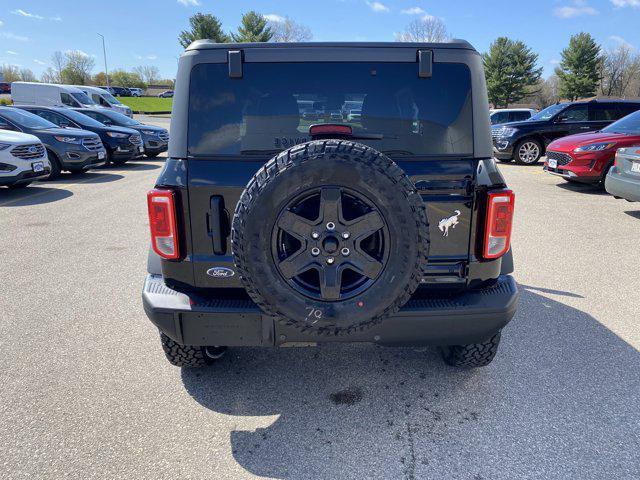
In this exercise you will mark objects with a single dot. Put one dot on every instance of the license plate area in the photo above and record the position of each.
(635, 167)
(100, 155)
(552, 163)
(37, 167)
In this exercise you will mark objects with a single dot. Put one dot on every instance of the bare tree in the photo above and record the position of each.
(286, 30)
(26, 75)
(58, 63)
(11, 73)
(149, 73)
(425, 29)
(544, 93)
(78, 67)
(620, 69)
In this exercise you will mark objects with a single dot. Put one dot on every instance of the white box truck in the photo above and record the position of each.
(105, 100)
(49, 95)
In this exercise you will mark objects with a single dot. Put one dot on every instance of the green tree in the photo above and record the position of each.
(578, 72)
(253, 28)
(123, 78)
(203, 27)
(510, 70)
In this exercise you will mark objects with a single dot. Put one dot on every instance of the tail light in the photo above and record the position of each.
(497, 231)
(163, 224)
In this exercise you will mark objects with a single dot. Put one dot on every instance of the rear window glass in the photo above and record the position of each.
(272, 107)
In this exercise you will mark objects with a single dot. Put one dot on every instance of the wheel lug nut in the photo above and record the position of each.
(331, 226)
(345, 235)
(345, 251)
(315, 251)
(330, 260)
(315, 235)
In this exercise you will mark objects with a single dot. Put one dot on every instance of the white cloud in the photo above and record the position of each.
(578, 9)
(1, 23)
(79, 52)
(413, 11)
(189, 3)
(22, 13)
(626, 3)
(554, 61)
(11, 52)
(152, 57)
(272, 17)
(13, 36)
(39, 62)
(378, 7)
(57, 18)
(621, 42)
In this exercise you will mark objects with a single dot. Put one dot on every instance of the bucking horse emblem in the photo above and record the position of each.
(449, 222)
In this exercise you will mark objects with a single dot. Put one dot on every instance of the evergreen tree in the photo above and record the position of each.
(253, 28)
(578, 73)
(510, 70)
(203, 26)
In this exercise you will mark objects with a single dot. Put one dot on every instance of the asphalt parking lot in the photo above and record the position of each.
(86, 391)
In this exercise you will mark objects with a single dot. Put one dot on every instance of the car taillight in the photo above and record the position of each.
(497, 231)
(162, 221)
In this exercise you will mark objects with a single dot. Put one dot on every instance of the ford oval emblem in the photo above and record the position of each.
(220, 272)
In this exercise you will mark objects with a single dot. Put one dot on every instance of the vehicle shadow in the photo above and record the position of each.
(560, 399)
(32, 195)
(633, 213)
(132, 165)
(583, 188)
(86, 177)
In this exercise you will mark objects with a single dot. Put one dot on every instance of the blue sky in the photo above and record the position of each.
(144, 32)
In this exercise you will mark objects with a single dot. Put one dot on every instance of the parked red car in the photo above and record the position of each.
(587, 157)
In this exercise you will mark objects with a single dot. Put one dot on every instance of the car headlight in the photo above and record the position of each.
(4, 146)
(505, 131)
(150, 132)
(64, 139)
(118, 135)
(595, 147)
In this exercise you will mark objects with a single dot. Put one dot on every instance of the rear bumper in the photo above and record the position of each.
(469, 317)
(621, 186)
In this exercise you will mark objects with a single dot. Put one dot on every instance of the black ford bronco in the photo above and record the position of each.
(324, 192)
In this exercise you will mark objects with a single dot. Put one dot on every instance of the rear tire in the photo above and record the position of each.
(188, 355)
(472, 355)
(56, 168)
(528, 152)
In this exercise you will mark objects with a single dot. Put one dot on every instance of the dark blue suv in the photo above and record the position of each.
(122, 144)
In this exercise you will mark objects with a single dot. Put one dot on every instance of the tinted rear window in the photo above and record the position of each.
(273, 105)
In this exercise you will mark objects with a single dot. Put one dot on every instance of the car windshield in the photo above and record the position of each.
(111, 99)
(274, 105)
(629, 125)
(548, 112)
(26, 119)
(83, 98)
(80, 118)
(119, 118)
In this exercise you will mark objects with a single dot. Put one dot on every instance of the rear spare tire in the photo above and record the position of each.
(330, 236)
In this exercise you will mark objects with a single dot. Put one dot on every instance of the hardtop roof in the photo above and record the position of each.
(211, 45)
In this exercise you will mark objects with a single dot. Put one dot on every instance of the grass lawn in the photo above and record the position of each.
(147, 104)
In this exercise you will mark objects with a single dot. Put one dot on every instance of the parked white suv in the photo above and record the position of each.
(23, 159)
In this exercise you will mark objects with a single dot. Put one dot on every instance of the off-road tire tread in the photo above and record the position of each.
(472, 355)
(183, 355)
(296, 156)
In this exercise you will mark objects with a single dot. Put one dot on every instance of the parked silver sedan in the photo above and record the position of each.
(623, 179)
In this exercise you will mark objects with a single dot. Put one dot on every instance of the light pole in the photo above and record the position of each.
(104, 53)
